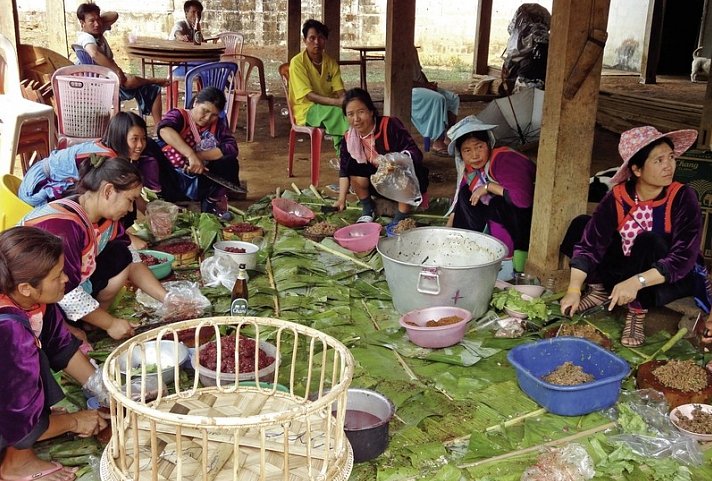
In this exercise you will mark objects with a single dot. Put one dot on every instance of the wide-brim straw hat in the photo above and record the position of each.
(635, 139)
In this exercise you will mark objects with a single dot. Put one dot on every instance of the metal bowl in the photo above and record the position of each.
(169, 353)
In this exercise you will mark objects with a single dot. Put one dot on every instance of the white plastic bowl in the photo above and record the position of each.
(166, 351)
(532, 290)
(249, 257)
(685, 410)
(515, 314)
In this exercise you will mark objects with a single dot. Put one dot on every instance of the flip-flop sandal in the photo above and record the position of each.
(41, 474)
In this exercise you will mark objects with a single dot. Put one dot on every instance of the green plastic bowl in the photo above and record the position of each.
(164, 268)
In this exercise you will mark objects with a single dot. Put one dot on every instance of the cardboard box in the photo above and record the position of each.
(694, 168)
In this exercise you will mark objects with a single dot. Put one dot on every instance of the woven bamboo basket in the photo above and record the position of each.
(288, 427)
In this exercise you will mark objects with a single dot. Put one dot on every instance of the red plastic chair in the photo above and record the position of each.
(316, 134)
(244, 94)
(87, 97)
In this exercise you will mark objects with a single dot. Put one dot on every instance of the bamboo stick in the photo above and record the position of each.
(273, 285)
(516, 420)
(236, 210)
(340, 254)
(532, 449)
(316, 192)
(296, 189)
(497, 427)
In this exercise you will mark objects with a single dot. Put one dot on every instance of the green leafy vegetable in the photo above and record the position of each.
(536, 309)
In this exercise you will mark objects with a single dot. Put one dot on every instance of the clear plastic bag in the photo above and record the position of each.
(94, 387)
(569, 463)
(219, 271)
(662, 438)
(395, 178)
(183, 301)
(161, 218)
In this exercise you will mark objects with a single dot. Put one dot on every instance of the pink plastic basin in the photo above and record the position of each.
(290, 213)
(359, 237)
(439, 336)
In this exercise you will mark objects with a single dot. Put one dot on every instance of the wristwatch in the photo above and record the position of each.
(642, 280)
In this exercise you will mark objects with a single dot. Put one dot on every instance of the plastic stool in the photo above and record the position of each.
(15, 110)
(12, 208)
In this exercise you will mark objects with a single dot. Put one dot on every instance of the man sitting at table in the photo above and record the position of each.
(316, 90)
(184, 30)
(147, 92)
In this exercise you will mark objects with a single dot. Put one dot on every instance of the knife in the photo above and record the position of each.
(228, 184)
(595, 309)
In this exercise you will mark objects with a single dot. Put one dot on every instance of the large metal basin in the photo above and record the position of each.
(441, 266)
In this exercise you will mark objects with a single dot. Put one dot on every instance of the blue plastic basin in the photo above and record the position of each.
(534, 360)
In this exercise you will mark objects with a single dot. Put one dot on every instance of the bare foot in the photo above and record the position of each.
(36, 469)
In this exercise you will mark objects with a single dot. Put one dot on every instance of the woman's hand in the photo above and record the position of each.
(708, 330)
(479, 192)
(340, 204)
(89, 422)
(137, 243)
(120, 329)
(624, 292)
(570, 302)
(195, 164)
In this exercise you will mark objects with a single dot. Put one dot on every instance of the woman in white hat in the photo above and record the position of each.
(495, 186)
(641, 247)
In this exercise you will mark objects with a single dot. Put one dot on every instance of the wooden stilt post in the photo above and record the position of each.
(570, 102)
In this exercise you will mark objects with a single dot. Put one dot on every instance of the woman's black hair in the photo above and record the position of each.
(118, 131)
(27, 254)
(482, 135)
(363, 96)
(316, 25)
(119, 172)
(213, 95)
(641, 156)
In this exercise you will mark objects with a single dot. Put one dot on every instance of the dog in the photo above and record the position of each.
(700, 65)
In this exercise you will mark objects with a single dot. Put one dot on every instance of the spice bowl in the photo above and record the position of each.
(534, 360)
(227, 249)
(208, 376)
(685, 411)
(434, 337)
(165, 265)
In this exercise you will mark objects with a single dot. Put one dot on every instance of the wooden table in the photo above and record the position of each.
(172, 53)
(366, 54)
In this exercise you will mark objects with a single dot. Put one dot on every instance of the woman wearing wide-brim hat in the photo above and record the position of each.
(641, 247)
